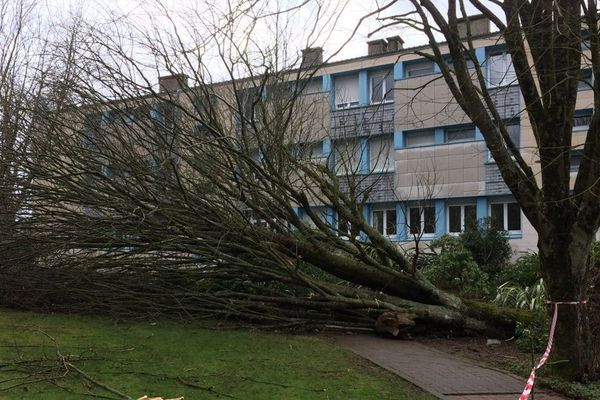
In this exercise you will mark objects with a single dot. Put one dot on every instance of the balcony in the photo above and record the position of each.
(507, 101)
(363, 121)
(381, 186)
(494, 184)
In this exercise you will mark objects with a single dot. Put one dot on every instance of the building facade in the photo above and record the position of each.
(428, 164)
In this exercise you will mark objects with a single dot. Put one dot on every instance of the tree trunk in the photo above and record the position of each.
(564, 265)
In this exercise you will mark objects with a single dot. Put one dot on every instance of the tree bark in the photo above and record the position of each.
(563, 259)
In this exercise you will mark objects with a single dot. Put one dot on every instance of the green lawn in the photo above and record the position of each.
(164, 359)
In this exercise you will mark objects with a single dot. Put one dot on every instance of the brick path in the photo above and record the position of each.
(438, 373)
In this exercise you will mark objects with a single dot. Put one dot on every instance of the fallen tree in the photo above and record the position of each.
(210, 199)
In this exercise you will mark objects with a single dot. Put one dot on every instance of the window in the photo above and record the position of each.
(581, 120)
(421, 220)
(156, 114)
(384, 221)
(345, 228)
(500, 70)
(201, 131)
(514, 132)
(381, 85)
(347, 156)
(314, 85)
(459, 134)
(316, 150)
(420, 138)
(346, 91)
(381, 156)
(307, 151)
(460, 217)
(470, 63)
(418, 68)
(506, 217)
(586, 79)
(319, 212)
(250, 103)
(576, 157)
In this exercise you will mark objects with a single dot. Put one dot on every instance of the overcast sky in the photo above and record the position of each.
(351, 11)
(337, 21)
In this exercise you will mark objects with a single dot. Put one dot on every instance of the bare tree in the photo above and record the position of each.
(27, 70)
(211, 197)
(551, 46)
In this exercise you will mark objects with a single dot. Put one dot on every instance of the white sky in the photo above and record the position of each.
(332, 34)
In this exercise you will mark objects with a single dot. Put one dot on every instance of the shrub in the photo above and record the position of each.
(454, 269)
(524, 272)
(532, 336)
(489, 247)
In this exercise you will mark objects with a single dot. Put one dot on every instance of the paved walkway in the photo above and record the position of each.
(438, 373)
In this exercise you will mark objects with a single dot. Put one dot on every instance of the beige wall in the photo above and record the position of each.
(454, 170)
(425, 101)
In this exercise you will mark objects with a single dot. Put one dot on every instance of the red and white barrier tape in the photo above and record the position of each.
(531, 379)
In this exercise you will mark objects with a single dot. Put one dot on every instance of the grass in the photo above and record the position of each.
(169, 360)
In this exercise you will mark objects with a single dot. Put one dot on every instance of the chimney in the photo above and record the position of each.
(312, 57)
(381, 46)
(376, 47)
(172, 83)
(479, 25)
(394, 43)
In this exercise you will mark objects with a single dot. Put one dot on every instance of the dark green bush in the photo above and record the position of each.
(489, 247)
(533, 336)
(524, 272)
(454, 269)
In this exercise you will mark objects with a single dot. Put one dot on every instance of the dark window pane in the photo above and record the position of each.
(389, 86)
(576, 157)
(454, 219)
(460, 134)
(514, 132)
(378, 221)
(420, 138)
(585, 79)
(470, 216)
(497, 211)
(343, 226)
(429, 219)
(377, 88)
(514, 217)
(582, 120)
(420, 68)
(391, 222)
(415, 220)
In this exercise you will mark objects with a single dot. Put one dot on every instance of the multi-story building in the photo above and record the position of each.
(428, 165)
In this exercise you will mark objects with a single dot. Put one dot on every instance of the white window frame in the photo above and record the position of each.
(422, 234)
(505, 216)
(341, 105)
(384, 89)
(384, 211)
(462, 217)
